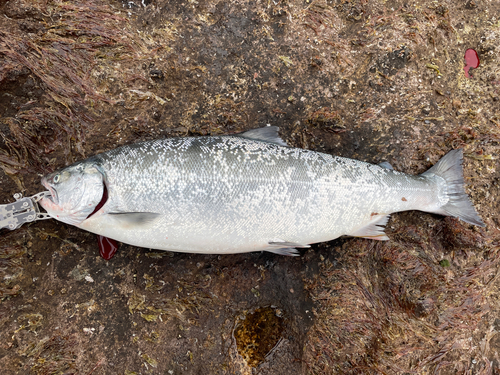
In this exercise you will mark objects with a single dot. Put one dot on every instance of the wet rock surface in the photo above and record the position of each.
(376, 81)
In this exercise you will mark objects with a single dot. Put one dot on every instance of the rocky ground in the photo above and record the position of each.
(371, 80)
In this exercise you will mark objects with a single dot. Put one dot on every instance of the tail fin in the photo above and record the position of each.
(459, 204)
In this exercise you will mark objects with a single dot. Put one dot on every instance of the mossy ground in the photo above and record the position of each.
(372, 80)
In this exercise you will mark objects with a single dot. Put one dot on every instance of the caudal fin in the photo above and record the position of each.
(459, 204)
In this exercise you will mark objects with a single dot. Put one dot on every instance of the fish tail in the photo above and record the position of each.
(449, 167)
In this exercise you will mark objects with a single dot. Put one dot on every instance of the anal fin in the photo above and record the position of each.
(288, 244)
(285, 247)
(375, 228)
(288, 251)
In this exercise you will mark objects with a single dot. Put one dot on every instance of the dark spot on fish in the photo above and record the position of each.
(404, 199)
(373, 214)
(107, 247)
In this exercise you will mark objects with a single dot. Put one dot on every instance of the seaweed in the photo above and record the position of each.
(327, 119)
(406, 312)
(12, 256)
(55, 356)
(60, 60)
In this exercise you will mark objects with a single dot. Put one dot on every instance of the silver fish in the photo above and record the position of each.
(242, 193)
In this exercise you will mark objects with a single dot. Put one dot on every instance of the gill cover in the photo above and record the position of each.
(76, 191)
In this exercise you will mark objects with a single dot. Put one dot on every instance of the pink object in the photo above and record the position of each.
(471, 61)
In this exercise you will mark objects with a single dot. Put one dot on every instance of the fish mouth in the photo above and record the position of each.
(52, 191)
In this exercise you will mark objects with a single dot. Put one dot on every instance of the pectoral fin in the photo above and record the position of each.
(137, 220)
(375, 229)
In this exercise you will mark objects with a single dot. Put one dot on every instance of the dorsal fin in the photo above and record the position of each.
(267, 134)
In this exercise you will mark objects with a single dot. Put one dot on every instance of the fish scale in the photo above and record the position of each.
(247, 192)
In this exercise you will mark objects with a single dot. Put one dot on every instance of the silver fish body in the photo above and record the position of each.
(249, 192)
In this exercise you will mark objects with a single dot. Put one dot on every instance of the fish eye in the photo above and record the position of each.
(56, 178)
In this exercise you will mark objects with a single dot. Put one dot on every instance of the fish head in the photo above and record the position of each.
(75, 191)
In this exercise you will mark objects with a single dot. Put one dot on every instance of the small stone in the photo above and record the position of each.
(89, 279)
